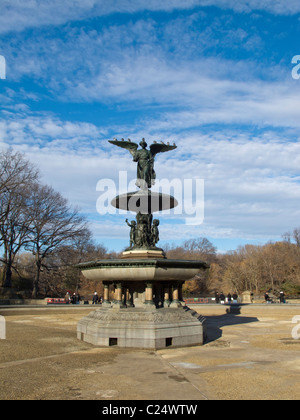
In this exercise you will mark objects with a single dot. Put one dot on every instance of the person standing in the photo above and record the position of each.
(67, 298)
(267, 298)
(95, 298)
(282, 297)
(222, 298)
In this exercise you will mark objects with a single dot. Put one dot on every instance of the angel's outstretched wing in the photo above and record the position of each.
(161, 147)
(129, 145)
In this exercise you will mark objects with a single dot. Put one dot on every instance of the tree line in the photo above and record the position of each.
(272, 267)
(42, 237)
(36, 219)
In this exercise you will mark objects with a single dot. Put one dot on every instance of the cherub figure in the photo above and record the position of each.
(132, 226)
(141, 235)
(154, 237)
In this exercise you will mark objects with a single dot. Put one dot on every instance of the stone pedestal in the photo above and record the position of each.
(246, 297)
(143, 328)
(143, 254)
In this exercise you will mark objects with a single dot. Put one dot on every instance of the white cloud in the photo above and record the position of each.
(214, 101)
(129, 66)
(17, 15)
(278, 7)
(207, 90)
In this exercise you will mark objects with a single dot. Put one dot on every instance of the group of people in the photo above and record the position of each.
(268, 299)
(75, 298)
(221, 298)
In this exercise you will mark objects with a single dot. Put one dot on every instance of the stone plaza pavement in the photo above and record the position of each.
(248, 355)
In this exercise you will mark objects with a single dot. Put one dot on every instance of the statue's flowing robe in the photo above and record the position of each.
(145, 171)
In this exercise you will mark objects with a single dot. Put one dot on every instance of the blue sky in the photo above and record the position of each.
(214, 76)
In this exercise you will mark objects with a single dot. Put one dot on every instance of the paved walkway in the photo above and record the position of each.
(250, 355)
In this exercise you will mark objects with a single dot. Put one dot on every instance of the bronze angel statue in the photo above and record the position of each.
(144, 158)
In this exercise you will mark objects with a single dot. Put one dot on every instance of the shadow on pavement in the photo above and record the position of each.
(231, 317)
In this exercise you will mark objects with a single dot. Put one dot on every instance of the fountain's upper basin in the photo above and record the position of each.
(141, 269)
(144, 201)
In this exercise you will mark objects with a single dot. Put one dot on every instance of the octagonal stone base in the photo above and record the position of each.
(146, 328)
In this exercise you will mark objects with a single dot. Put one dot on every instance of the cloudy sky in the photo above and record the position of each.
(213, 76)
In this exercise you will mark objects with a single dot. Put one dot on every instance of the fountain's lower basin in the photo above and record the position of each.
(141, 270)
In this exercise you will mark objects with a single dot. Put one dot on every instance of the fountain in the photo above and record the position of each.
(147, 309)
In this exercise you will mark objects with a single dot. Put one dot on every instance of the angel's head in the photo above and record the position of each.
(143, 144)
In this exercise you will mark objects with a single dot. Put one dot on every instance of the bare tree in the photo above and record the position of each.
(202, 248)
(16, 177)
(54, 224)
(62, 272)
(296, 236)
(15, 171)
(195, 249)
